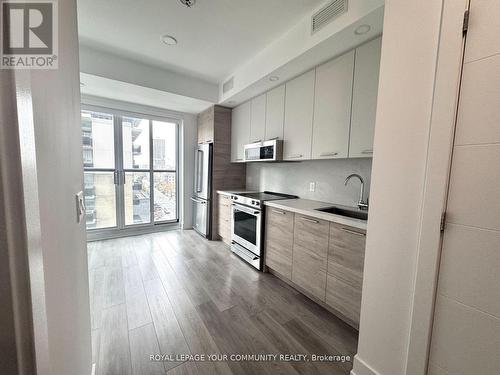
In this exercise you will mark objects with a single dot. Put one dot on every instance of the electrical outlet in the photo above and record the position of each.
(312, 186)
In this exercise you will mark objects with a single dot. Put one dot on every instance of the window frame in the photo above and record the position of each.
(121, 228)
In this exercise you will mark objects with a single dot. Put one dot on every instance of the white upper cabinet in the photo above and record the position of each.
(240, 131)
(332, 108)
(258, 119)
(364, 101)
(328, 112)
(275, 113)
(299, 102)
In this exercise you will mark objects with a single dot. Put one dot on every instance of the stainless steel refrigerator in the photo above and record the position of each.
(202, 189)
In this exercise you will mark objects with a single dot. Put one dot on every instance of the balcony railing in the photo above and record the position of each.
(89, 192)
(87, 139)
(86, 124)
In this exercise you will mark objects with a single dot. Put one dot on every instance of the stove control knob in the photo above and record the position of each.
(257, 203)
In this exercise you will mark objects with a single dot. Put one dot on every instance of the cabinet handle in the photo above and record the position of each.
(353, 232)
(295, 156)
(273, 138)
(369, 151)
(279, 212)
(328, 154)
(310, 220)
(257, 141)
(239, 159)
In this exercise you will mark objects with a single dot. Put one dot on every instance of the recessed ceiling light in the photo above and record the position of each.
(169, 40)
(188, 3)
(274, 78)
(363, 29)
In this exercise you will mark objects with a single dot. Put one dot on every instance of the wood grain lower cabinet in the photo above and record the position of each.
(224, 218)
(322, 259)
(346, 255)
(343, 298)
(310, 251)
(279, 241)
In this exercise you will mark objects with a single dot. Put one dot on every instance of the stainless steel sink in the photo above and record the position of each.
(362, 215)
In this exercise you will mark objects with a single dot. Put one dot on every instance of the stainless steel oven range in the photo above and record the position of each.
(247, 225)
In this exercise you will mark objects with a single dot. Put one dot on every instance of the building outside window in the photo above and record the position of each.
(130, 170)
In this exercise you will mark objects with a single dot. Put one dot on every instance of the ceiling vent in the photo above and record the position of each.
(228, 85)
(327, 14)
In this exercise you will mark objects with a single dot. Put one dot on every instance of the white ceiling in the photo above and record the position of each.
(215, 36)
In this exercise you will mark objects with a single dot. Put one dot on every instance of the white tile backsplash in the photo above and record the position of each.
(329, 176)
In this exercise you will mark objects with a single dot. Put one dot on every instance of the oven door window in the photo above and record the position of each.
(245, 226)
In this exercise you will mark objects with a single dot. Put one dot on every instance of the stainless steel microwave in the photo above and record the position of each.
(271, 150)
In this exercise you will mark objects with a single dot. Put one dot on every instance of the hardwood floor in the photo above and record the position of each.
(176, 294)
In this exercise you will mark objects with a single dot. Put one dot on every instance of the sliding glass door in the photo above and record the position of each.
(130, 169)
(136, 154)
(98, 140)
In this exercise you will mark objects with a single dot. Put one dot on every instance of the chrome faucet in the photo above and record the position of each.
(362, 205)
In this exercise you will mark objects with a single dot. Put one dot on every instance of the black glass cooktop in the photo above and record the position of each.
(267, 196)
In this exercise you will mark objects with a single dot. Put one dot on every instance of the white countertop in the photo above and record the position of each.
(308, 207)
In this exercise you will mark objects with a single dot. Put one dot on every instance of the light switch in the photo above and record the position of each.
(312, 186)
(80, 207)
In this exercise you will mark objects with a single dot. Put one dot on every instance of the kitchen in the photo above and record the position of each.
(280, 194)
(327, 113)
(235, 187)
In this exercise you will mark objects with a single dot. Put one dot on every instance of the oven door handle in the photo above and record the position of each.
(241, 250)
(245, 209)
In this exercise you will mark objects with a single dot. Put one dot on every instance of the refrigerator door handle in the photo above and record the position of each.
(199, 171)
(198, 200)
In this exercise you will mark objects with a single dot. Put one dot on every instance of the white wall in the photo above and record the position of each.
(407, 76)
(104, 64)
(299, 50)
(56, 115)
(16, 321)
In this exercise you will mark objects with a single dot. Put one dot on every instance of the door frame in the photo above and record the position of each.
(121, 229)
(440, 147)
